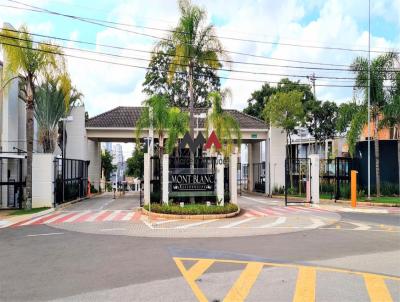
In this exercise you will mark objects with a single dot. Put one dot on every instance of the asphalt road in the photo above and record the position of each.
(41, 263)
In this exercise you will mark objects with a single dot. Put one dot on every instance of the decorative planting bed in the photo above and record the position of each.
(192, 211)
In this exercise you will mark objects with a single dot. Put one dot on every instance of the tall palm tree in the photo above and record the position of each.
(193, 44)
(52, 103)
(31, 61)
(381, 69)
(226, 127)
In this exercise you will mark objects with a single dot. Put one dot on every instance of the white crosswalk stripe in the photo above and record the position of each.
(278, 221)
(186, 226)
(128, 216)
(73, 218)
(112, 216)
(94, 216)
(36, 219)
(233, 224)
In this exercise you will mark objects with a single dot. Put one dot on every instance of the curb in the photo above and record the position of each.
(24, 217)
(191, 217)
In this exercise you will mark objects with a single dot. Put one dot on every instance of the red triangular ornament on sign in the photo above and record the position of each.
(212, 140)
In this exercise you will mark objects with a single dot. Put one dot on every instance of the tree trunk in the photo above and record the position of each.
(191, 118)
(377, 157)
(29, 142)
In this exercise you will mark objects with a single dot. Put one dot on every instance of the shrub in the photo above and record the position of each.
(192, 209)
(93, 189)
(389, 189)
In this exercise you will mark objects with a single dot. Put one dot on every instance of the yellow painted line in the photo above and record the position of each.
(377, 289)
(319, 268)
(193, 273)
(338, 226)
(244, 283)
(305, 286)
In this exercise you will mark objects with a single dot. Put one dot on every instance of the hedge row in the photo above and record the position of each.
(192, 209)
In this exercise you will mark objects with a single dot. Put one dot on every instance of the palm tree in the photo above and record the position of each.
(31, 61)
(52, 103)
(381, 69)
(193, 44)
(165, 120)
(226, 127)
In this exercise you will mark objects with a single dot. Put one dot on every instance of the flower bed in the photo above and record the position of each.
(192, 209)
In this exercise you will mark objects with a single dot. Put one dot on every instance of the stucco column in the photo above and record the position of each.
(250, 179)
(314, 158)
(146, 178)
(220, 179)
(165, 180)
(233, 177)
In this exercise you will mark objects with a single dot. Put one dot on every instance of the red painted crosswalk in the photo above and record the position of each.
(279, 211)
(81, 217)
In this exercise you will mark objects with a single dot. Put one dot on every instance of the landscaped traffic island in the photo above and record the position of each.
(192, 211)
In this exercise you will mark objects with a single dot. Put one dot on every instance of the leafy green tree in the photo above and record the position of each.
(135, 164)
(226, 127)
(259, 98)
(52, 103)
(106, 164)
(31, 61)
(285, 110)
(381, 69)
(176, 90)
(322, 119)
(193, 44)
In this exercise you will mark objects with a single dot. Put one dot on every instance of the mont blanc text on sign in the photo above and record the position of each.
(192, 182)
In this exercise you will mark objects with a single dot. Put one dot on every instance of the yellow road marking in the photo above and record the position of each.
(193, 273)
(305, 286)
(376, 288)
(244, 283)
(338, 226)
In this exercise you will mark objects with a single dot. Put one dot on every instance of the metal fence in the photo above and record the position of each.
(259, 177)
(12, 183)
(70, 179)
(297, 179)
(335, 177)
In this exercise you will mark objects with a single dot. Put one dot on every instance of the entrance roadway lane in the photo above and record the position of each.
(62, 265)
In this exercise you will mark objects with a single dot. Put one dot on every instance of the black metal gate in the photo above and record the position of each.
(12, 183)
(297, 180)
(155, 179)
(259, 177)
(335, 177)
(70, 179)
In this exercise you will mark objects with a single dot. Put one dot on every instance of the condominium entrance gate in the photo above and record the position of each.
(335, 177)
(297, 180)
(70, 179)
(12, 183)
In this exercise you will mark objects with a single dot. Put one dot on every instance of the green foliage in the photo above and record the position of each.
(260, 98)
(225, 126)
(106, 164)
(176, 91)
(135, 164)
(389, 189)
(164, 119)
(51, 105)
(192, 209)
(321, 120)
(285, 110)
(93, 190)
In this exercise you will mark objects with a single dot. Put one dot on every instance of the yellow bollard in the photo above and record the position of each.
(354, 188)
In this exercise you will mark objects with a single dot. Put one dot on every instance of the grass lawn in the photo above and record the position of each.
(24, 212)
(382, 199)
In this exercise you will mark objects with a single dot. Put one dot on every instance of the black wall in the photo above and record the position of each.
(388, 160)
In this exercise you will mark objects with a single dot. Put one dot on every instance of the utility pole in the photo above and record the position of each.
(312, 79)
(369, 99)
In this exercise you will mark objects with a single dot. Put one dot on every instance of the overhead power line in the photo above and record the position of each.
(166, 54)
(181, 65)
(102, 23)
(147, 68)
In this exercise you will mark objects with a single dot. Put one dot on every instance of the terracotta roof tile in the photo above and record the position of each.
(127, 117)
